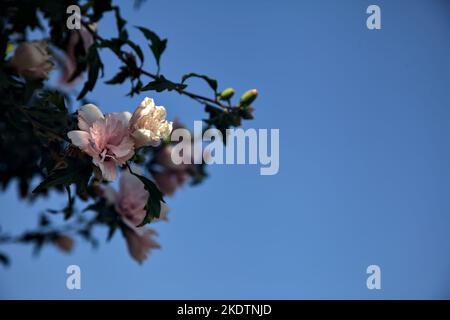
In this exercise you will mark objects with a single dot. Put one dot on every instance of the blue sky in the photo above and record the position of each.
(364, 160)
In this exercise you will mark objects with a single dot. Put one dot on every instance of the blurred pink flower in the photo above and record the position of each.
(131, 199)
(64, 243)
(140, 242)
(169, 180)
(130, 203)
(32, 60)
(70, 62)
(172, 176)
(104, 138)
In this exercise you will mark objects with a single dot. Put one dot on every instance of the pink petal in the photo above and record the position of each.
(123, 149)
(98, 134)
(115, 129)
(123, 117)
(163, 213)
(140, 242)
(87, 115)
(108, 169)
(79, 138)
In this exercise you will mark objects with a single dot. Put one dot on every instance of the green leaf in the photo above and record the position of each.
(95, 66)
(68, 210)
(96, 206)
(136, 88)
(100, 7)
(112, 229)
(4, 259)
(153, 206)
(157, 45)
(161, 84)
(198, 174)
(136, 49)
(120, 77)
(113, 44)
(120, 22)
(211, 82)
(43, 221)
(55, 98)
(76, 171)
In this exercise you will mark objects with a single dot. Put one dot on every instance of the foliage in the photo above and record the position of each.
(35, 118)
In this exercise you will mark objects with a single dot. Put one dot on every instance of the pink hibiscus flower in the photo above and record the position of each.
(130, 203)
(140, 243)
(104, 138)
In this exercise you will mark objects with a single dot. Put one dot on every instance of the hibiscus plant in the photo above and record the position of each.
(53, 139)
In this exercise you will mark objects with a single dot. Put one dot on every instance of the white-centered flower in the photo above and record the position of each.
(148, 124)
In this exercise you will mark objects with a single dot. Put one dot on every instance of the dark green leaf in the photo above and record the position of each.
(100, 7)
(120, 77)
(198, 174)
(76, 171)
(111, 231)
(95, 66)
(136, 88)
(114, 45)
(43, 221)
(4, 259)
(211, 82)
(69, 209)
(120, 22)
(55, 98)
(136, 49)
(157, 45)
(161, 84)
(96, 206)
(153, 206)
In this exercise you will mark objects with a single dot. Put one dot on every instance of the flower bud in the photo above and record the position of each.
(248, 97)
(9, 48)
(226, 94)
(64, 243)
(32, 60)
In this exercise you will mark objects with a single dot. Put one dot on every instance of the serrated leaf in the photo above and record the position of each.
(157, 45)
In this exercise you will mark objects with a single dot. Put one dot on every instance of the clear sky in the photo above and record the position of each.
(364, 160)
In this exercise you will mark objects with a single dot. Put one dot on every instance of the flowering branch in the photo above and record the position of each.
(80, 153)
(180, 89)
